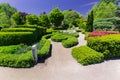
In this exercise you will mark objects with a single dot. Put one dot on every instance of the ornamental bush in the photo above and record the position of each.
(70, 42)
(86, 55)
(109, 45)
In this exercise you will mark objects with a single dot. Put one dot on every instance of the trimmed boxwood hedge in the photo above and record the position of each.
(17, 60)
(70, 42)
(13, 38)
(18, 30)
(108, 45)
(86, 55)
(58, 37)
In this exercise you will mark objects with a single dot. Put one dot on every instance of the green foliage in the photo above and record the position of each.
(13, 38)
(17, 60)
(58, 37)
(102, 25)
(4, 20)
(102, 9)
(56, 17)
(70, 42)
(8, 9)
(89, 24)
(25, 26)
(71, 17)
(18, 30)
(18, 19)
(86, 55)
(108, 45)
(32, 19)
(43, 20)
(43, 49)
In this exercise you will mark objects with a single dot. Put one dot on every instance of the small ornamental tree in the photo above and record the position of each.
(32, 19)
(89, 25)
(43, 20)
(56, 17)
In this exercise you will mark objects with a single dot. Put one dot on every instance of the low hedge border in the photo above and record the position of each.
(86, 55)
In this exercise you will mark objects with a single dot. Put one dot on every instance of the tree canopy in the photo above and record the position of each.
(71, 17)
(56, 17)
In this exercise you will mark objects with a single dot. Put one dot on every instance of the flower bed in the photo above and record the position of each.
(101, 33)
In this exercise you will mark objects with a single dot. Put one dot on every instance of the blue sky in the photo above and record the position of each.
(39, 6)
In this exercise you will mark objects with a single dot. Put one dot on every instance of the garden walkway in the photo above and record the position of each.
(62, 66)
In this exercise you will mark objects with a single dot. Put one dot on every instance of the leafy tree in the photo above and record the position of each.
(56, 17)
(9, 10)
(71, 17)
(104, 9)
(18, 19)
(32, 19)
(43, 20)
(4, 20)
(89, 25)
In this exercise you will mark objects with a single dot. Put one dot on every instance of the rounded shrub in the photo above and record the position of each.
(86, 55)
(58, 37)
(70, 42)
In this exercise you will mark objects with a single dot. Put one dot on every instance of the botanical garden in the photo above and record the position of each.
(19, 31)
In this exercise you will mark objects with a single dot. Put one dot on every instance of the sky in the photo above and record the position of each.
(40, 6)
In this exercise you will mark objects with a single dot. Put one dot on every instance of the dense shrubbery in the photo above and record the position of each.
(101, 33)
(70, 42)
(18, 30)
(16, 56)
(43, 49)
(13, 38)
(86, 55)
(109, 45)
(17, 60)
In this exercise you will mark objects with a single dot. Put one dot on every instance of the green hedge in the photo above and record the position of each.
(18, 30)
(16, 56)
(108, 45)
(17, 60)
(70, 42)
(86, 55)
(13, 38)
(43, 49)
(58, 37)
(39, 30)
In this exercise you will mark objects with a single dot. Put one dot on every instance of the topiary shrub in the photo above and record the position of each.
(109, 45)
(70, 42)
(86, 55)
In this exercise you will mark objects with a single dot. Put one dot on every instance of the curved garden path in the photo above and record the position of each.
(62, 66)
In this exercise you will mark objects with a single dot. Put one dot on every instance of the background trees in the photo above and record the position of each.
(43, 20)
(71, 17)
(56, 17)
(32, 19)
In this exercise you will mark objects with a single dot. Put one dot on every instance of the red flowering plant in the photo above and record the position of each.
(101, 33)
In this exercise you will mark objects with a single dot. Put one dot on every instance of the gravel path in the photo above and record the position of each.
(62, 66)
